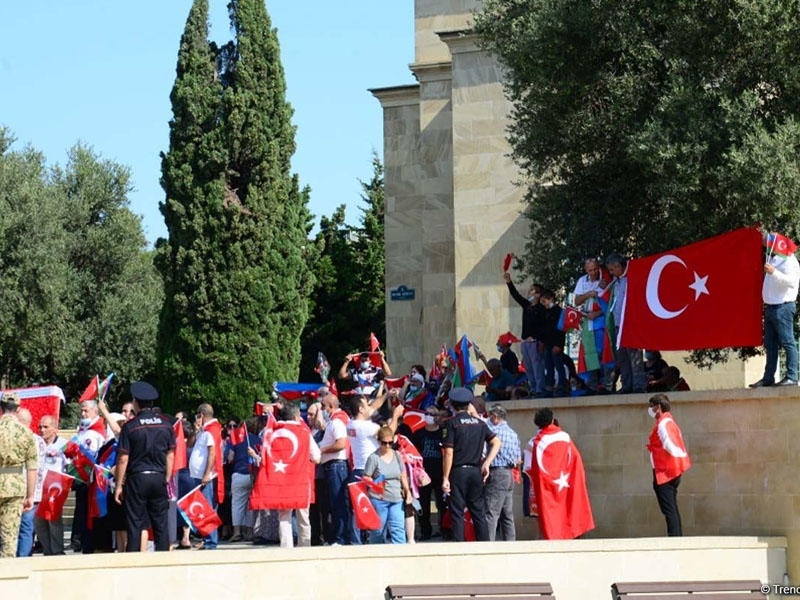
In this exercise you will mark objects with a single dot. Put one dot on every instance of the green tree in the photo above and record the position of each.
(79, 288)
(236, 277)
(349, 296)
(644, 126)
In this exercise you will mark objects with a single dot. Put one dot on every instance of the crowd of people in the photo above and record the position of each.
(306, 471)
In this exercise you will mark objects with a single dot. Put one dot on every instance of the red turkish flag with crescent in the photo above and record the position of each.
(364, 513)
(704, 295)
(55, 489)
(286, 475)
(559, 481)
(199, 513)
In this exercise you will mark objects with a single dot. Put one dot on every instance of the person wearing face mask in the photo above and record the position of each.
(532, 331)
(415, 394)
(428, 441)
(670, 460)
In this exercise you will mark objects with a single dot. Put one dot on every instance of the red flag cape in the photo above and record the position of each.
(55, 489)
(181, 460)
(215, 429)
(285, 477)
(92, 391)
(704, 295)
(198, 513)
(364, 513)
(559, 482)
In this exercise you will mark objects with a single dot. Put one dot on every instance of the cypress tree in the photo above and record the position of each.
(234, 272)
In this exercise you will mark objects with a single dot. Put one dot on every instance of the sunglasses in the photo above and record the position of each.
(386, 443)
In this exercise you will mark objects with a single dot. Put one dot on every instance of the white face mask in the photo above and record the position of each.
(531, 298)
(651, 411)
(429, 419)
(365, 364)
(85, 422)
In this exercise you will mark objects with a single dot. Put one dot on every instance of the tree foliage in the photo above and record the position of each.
(236, 278)
(349, 297)
(643, 126)
(79, 289)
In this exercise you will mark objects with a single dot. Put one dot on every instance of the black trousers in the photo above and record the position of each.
(146, 496)
(466, 491)
(667, 496)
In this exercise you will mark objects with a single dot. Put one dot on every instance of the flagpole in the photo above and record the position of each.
(194, 489)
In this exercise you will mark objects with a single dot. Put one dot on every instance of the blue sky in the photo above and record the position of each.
(100, 72)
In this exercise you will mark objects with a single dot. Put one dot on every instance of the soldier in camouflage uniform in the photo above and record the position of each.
(17, 449)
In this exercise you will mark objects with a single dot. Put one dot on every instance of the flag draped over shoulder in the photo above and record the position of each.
(55, 489)
(198, 513)
(215, 429)
(704, 295)
(181, 459)
(559, 482)
(285, 477)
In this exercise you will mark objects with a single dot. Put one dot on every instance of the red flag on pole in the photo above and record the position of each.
(704, 295)
(374, 344)
(365, 515)
(92, 391)
(181, 460)
(507, 261)
(559, 481)
(198, 513)
(238, 434)
(55, 489)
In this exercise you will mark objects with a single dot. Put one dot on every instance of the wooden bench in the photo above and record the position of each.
(687, 590)
(478, 591)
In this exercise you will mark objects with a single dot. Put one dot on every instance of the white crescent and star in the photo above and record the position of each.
(361, 507)
(699, 285)
(279, 465)
(558, 436)
(192, 513)
(54, 486)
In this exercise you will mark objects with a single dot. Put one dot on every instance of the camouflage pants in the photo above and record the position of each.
(10, 513)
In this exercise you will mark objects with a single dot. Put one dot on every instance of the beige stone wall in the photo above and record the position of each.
(577, 570)
(431, 16)
(744, 446)
(486, 202)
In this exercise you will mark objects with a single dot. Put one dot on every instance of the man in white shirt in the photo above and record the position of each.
(50, 533)
(779, 293)
(201, 469)
(587, 289)
(333, 448)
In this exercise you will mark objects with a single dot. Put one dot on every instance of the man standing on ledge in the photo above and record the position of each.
(463, 446)
(670, 460)
(144, 466)
(779, 293)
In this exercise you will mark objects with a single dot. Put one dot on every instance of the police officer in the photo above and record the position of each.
(17, 449)
(144, 466)
(463, 469)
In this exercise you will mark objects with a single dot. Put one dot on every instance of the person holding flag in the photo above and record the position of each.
(588, 291)
(532, 331)
(629, 361)
(50, 532)
(145, 456)
(779, 293)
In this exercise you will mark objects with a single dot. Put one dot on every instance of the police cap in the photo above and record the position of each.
(141, 390)
(461, 395)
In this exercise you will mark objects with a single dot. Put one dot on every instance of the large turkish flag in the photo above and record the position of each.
(704, 295)
(286, 476)
(559, 481)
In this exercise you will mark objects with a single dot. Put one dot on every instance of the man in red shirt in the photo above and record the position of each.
(670, 460)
